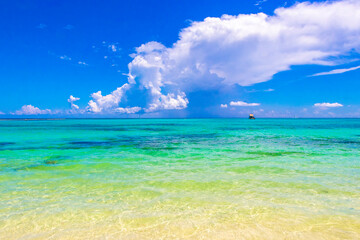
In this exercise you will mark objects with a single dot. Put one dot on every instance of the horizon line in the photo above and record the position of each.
(113, 118)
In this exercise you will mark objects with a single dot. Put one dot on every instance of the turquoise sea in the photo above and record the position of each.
(180, 179)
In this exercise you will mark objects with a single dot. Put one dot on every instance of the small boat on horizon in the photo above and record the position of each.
(251, 116)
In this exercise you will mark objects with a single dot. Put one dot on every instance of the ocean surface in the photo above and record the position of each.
(180, 179)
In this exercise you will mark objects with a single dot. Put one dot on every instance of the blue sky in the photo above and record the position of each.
(180, 58)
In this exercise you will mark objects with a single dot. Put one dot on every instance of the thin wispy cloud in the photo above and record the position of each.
(113, 47)
(82, 63)
(259, 3)
(261, 90)
(67, 58)
(243, 104)
(269, 90)
(64, 57)
(336, 71)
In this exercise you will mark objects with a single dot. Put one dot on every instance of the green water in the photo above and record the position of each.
(180, 179)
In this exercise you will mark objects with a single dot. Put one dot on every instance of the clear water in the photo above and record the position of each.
(180, 179)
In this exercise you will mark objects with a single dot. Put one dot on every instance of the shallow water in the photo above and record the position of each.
(180, 179)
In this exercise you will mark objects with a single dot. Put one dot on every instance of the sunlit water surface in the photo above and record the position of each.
(180, 179)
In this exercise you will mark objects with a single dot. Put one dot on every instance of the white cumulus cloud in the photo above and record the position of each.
(328, 105)
(241, 50)
(31, 110)
(71, 100)
(128, 110)
(146, 70)
(223, 105)
(249, 49)
(168, 102)
(243, 104)
(107, 103)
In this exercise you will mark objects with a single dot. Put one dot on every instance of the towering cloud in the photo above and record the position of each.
(242, 50)
(147, 69)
